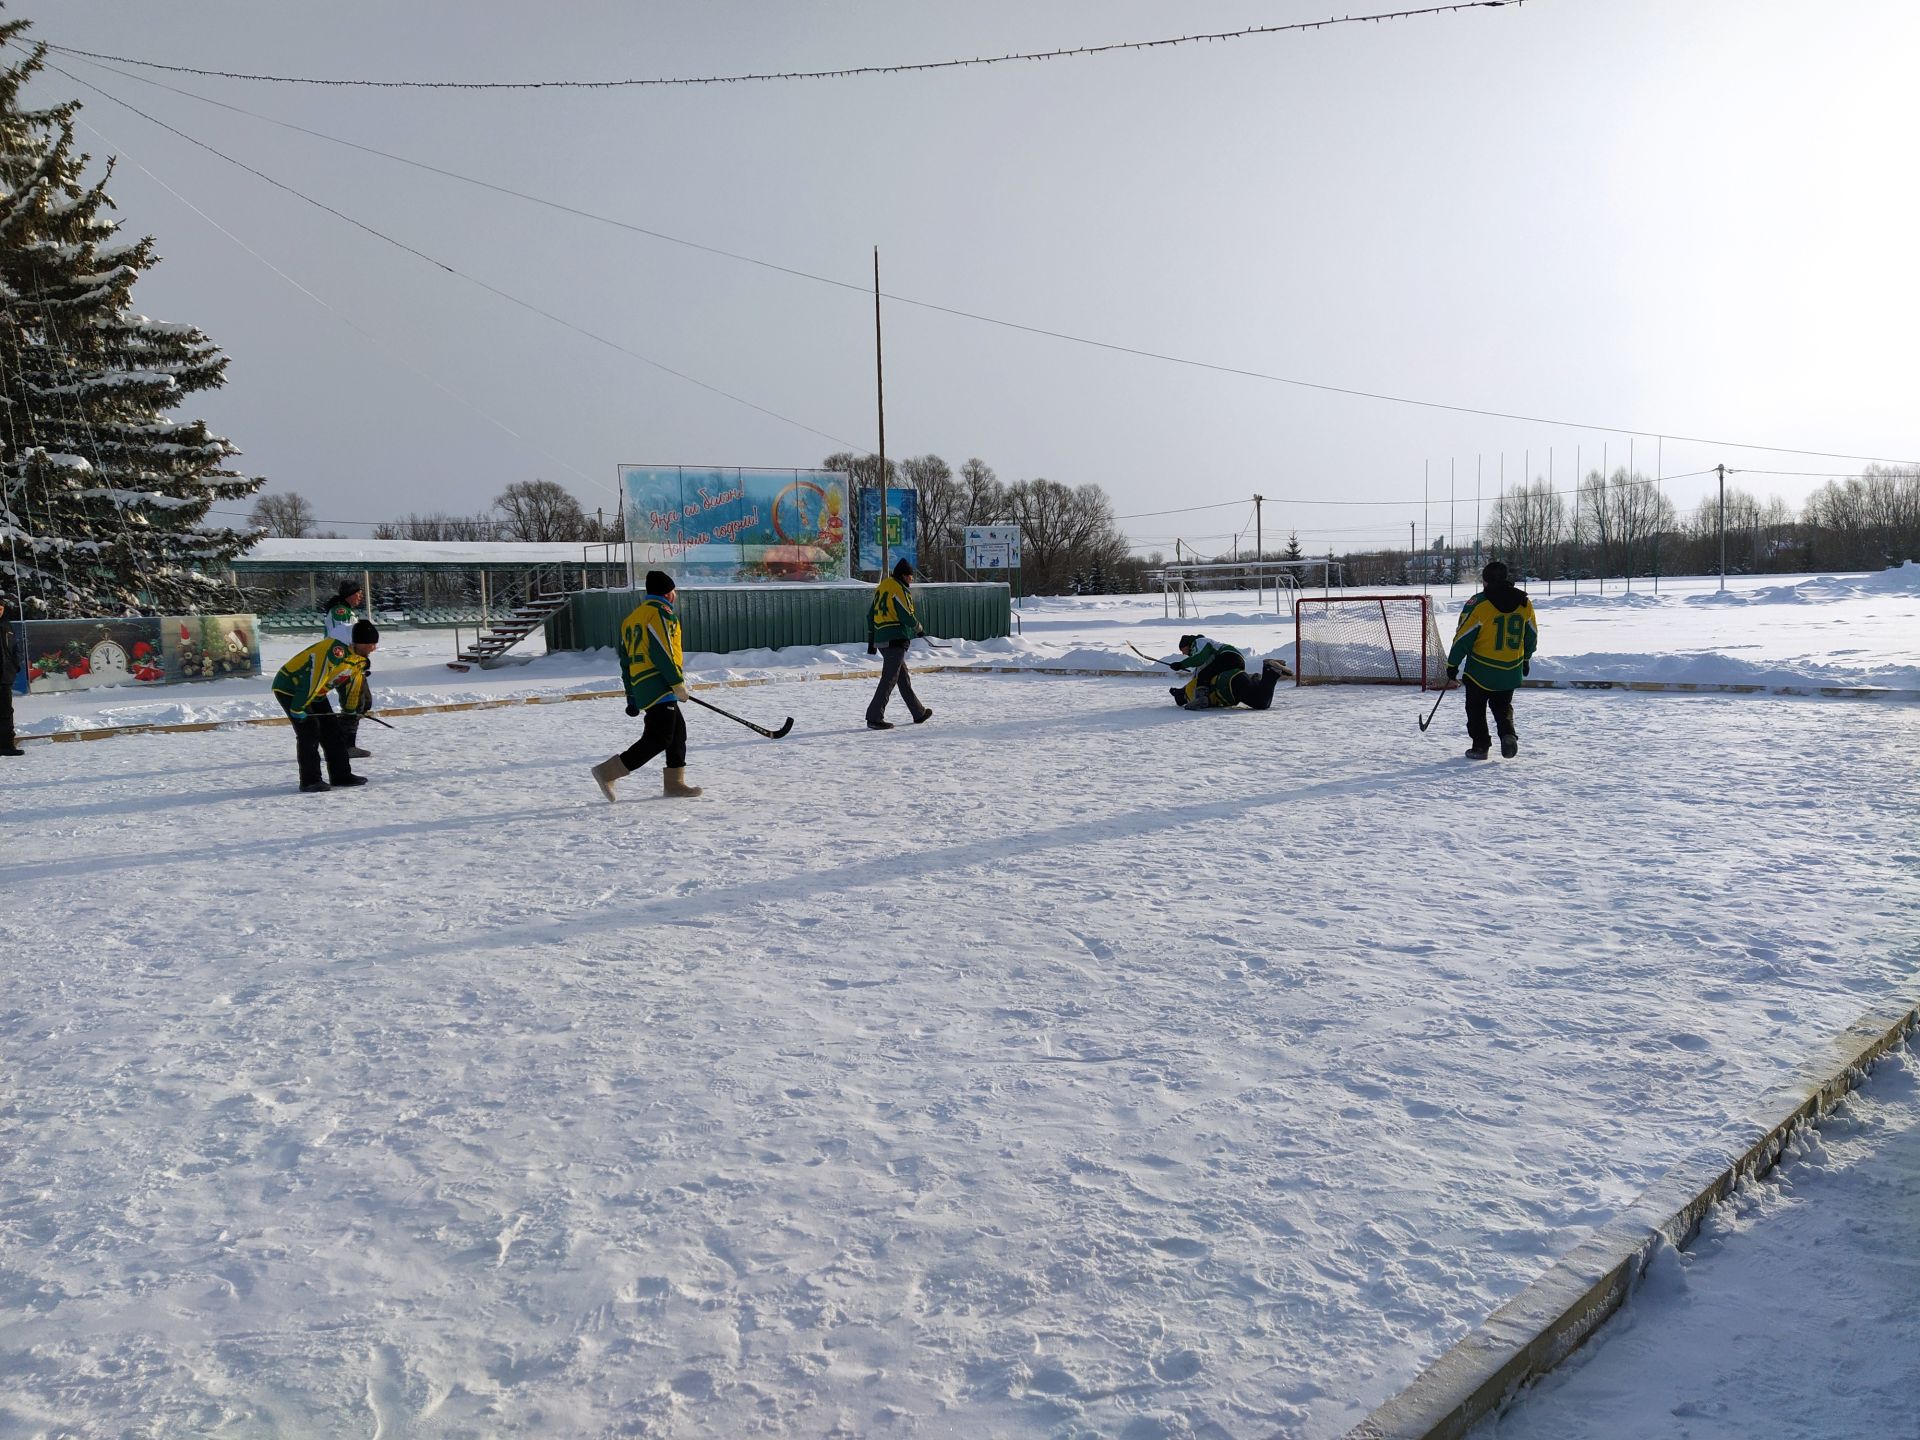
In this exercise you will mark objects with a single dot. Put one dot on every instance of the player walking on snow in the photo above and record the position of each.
(1220, 676)
(892, 626)
(1495, 640)
(652, 669)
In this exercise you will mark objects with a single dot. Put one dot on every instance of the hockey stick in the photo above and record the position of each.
(738, 720)
(1436, 707)
(1144, 656)
(369, 715)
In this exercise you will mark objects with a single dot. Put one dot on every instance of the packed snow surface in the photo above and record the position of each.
(1795, 1314)
(1069, 1066)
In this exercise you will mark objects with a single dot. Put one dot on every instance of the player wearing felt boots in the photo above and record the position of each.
(301, 687)
(651, 669)
(347, 598)
(1220, 678)
(1495, 641)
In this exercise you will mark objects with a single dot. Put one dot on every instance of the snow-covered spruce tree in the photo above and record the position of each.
(102, 496)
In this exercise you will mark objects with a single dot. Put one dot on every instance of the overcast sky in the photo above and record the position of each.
(1682, 218)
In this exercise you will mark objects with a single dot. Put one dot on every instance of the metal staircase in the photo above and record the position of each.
(519, 619)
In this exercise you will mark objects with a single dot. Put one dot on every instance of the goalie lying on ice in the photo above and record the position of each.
(1220, 678)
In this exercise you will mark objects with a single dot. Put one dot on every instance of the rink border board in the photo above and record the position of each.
(1663, 687)
(1525, 1338)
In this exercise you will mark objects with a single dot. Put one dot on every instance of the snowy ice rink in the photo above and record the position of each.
(1070, 1066)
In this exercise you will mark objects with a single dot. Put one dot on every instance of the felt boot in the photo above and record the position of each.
(675, 783)
(608, 771)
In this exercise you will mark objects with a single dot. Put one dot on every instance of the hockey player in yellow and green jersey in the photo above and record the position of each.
(1220, 679)
(891, 628)
(1495, 641)
(302, 687)
(652, 670)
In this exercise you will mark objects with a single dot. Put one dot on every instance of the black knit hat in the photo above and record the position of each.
(902, 568)
(1495, 576)
(365, 632)
(659, 583)
(1187, 642)
(348, 587)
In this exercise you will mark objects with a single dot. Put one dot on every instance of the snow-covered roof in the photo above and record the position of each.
(350, 555)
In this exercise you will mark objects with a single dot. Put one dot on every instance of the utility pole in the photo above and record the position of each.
(1723, 527)
(880, 396)
(1259, 554)
(1410, 525)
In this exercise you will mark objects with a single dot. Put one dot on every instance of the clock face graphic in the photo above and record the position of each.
(108, 656)
(799, 512)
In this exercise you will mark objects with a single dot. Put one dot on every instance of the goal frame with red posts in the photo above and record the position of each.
(1378, 639)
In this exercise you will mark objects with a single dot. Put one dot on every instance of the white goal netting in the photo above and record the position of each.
(1368, 640)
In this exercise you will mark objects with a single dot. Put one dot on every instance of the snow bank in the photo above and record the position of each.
(1845, 631)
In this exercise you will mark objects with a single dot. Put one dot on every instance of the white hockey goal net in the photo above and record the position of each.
(1367, 640)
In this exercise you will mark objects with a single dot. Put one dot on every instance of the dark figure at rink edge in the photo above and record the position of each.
(301, 687)
(1220, 679)
(1496, 640)
(652, 669)
(891, 626)
(9, 671)
(347, 598)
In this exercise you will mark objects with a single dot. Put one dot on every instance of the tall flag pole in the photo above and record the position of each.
(880, 396)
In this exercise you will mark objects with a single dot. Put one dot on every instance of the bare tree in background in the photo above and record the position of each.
(940, 499)
(287, 517)
(984, 498)
(1527, 525)
(1065, 534)
(540, 510)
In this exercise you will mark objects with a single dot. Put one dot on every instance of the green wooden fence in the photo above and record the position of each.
(770, 617)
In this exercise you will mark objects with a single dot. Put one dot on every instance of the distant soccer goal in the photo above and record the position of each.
(1367, 640)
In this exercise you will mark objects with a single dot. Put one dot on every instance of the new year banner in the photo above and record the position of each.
(733, 524)
(64, 655)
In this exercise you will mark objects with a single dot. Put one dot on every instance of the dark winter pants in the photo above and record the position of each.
(6, 716)
(1478, 700)
(893, 671)
(319, 734)
(1255, 694)
(665, 731)
(1245, 689)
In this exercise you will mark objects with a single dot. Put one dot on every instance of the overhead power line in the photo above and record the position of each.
(452, 270)
(863, 290)
(844, 72)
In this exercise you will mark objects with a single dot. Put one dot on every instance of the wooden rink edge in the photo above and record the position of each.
(1486, 1371)
(188, 727)
(1665, 687)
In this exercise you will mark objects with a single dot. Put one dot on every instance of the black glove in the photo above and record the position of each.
(872, 649)
(632, 709)
(1525, 665)
(1453, 672)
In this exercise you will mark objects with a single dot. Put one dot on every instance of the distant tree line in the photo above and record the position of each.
(1621, 524)
(1070, 541)
(528, 510)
